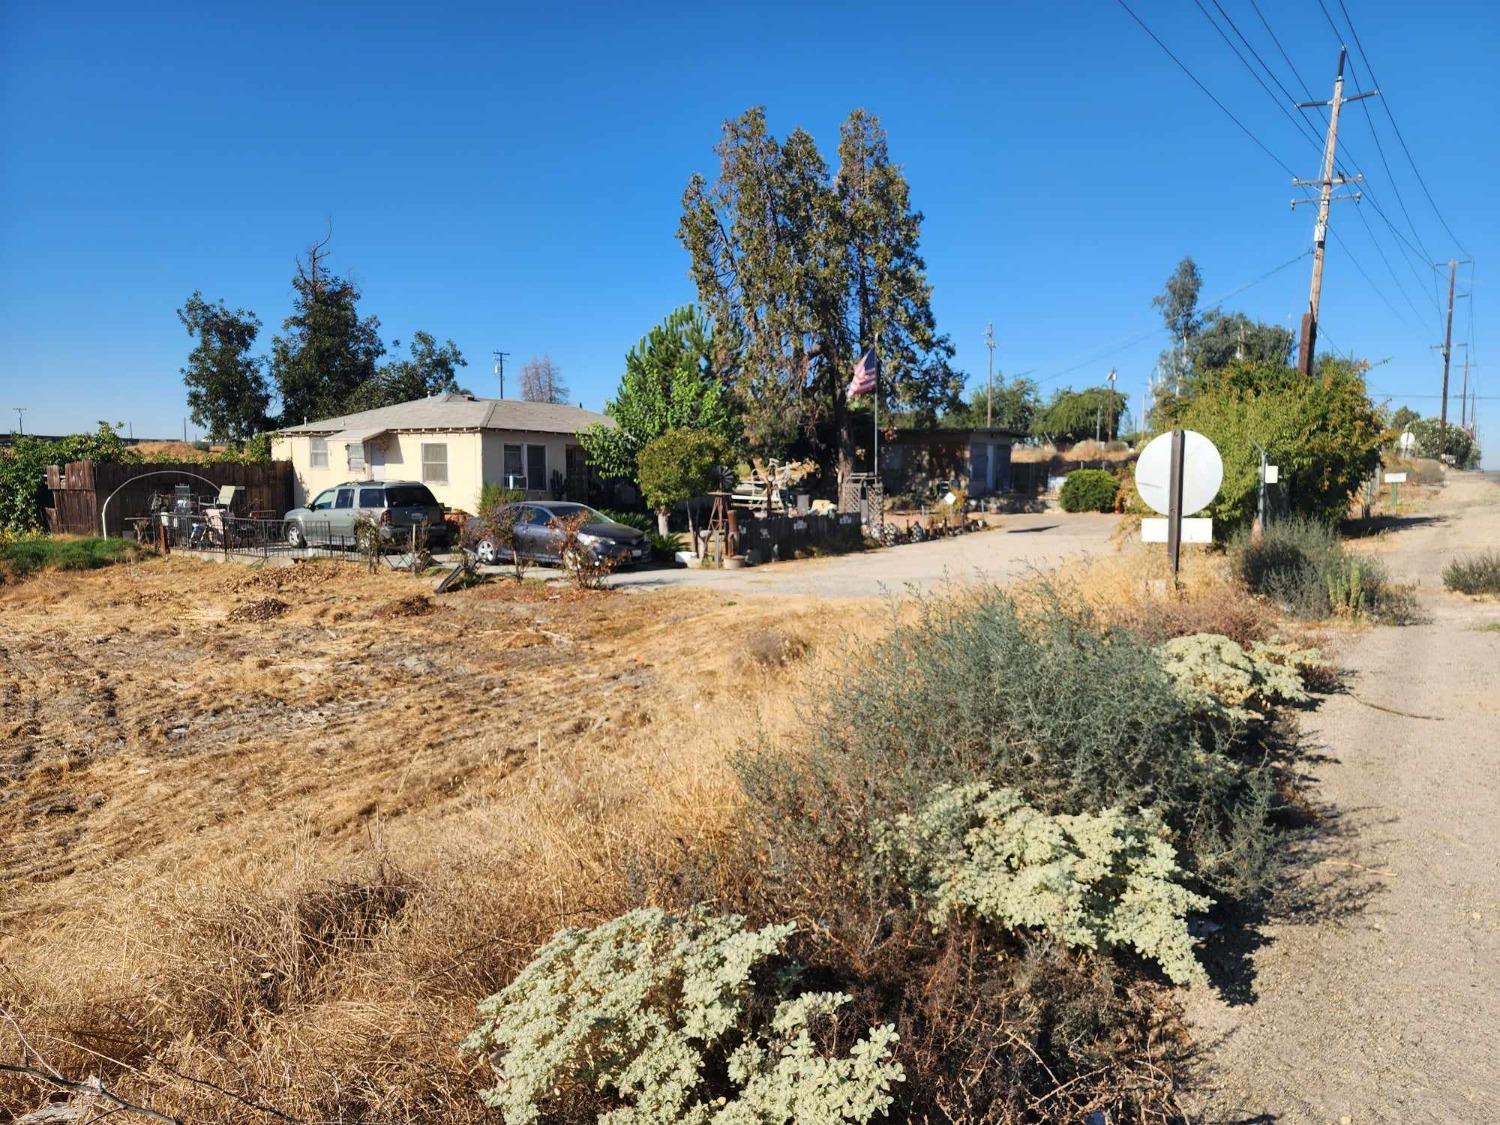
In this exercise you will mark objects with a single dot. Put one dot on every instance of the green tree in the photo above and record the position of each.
(329, 352)
(1457, 443)
(1015, 406)
(802, 271)
(1226, 338)
(1402, 419)
(1077, 415)
(1178, 303)
(1323, 433)
(227, 390)
(431, 370)
(679, 466)
(671, 382)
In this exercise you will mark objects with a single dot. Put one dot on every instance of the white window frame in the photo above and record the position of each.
(317, 453)
(426, 478)
(526, 447)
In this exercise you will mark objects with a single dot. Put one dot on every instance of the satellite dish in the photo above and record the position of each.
(1202, 473)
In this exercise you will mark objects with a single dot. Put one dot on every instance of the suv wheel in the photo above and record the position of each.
(295, 537)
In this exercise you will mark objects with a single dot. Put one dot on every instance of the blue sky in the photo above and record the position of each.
(510, 175)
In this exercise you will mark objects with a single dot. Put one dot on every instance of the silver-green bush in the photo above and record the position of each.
(1096, 880)
(1218, 678)
(653, 1018)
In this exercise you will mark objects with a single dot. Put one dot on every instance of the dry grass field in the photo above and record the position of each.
(269, 834)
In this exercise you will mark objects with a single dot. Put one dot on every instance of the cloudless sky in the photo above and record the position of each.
(509, 175)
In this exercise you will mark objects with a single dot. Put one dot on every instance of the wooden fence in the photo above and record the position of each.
(80, 489)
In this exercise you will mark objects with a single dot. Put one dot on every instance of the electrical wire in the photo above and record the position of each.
(1386, 102)
(1099, 354)
(1226, 110)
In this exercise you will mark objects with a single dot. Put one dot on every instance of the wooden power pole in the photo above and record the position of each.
(1447, 356)
(1325, 184)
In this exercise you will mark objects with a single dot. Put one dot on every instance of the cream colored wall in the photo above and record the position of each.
(495, 442)
(403, 461)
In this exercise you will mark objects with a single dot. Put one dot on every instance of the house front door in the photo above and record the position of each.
(377, 459)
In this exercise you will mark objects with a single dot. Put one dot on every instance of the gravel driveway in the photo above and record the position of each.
(1036, 541)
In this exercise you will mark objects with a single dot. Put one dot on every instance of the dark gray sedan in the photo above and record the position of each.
(539, 534)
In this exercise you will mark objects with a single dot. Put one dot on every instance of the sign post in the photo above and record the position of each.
(1174, 506)
(1178, 474)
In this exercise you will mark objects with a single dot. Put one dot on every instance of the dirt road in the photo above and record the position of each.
(1383, 1004)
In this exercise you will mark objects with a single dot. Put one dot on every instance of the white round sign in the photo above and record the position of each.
(1406, 441)
(1202, 472)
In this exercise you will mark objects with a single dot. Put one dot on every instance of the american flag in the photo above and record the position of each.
(865, 372)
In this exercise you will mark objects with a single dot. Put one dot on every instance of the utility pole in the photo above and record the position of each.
(1325, 184)
(1447, 356)
(20, 422)
(989, 394)
(1111, 404)
(500, 369)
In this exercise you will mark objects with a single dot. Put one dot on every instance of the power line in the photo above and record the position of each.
(1196, 82)
(1106, 352)
(1370, 67)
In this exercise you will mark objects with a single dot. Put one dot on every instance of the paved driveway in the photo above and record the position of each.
(1020, 544)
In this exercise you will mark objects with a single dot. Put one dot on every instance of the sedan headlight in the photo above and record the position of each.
(589, 540)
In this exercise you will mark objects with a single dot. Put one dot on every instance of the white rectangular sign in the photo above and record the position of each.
(1273, 474)
(1395, 478)
(1199, 530)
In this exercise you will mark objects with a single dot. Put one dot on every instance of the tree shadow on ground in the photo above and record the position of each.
(1376, 525)
(1318, 882)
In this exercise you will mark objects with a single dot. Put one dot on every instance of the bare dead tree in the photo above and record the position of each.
(542, 381)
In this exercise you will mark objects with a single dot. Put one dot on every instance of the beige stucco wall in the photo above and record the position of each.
(473, 458)
(556, 445)
(403, 461)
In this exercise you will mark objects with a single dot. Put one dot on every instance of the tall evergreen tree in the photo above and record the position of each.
(227, 390)
(1178, 303)
(329, 352)
(802, 270)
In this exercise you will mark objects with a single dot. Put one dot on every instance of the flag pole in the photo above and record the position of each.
(877, 409)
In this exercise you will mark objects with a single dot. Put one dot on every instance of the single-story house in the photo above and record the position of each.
(915, 457)
(453, 443)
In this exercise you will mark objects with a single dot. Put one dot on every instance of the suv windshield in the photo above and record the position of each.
(409, 496)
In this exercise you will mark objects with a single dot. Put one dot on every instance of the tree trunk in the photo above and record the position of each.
(693, 530)
(661, 520)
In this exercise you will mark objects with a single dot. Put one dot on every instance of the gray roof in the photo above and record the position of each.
(453, 411)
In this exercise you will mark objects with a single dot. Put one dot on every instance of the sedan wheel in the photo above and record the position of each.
(486, 552)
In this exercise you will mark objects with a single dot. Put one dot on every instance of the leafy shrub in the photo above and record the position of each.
(638, 520)
(1094, 880)
(1302, 565)
(1222, 680)
(501, 521)
(585, 566)
(652, 1018)
(492, 495)
(1474, 574)
(28, 554)
(1089, 490)
(23, 471)
(1072, 719)
(663, 546)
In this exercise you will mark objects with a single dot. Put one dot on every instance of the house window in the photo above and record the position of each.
(514, 468)
(536, 466)
(435, 462)
(356, 456)
(317, 453)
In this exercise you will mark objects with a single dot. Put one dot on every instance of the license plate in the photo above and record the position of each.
(638, 552)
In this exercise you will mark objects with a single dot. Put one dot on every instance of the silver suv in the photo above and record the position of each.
(395, 505)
